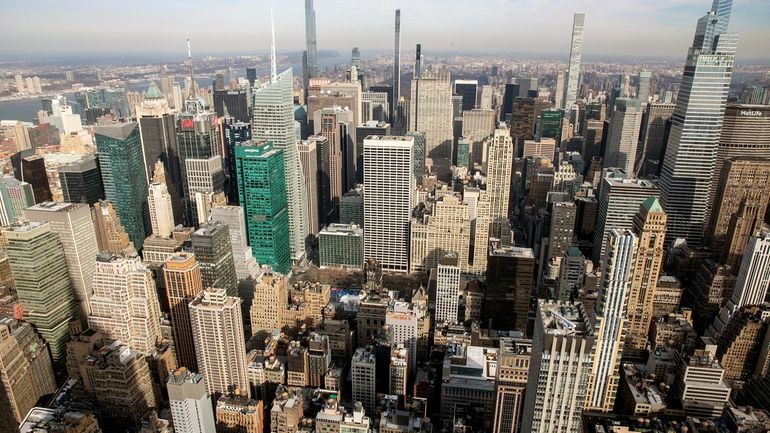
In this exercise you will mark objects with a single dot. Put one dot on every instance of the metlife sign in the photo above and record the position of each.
(751, 113)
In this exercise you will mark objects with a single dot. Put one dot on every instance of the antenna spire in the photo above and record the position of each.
(273, 68)
(192, 78)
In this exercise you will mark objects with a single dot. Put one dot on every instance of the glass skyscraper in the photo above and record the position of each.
(688, 165)
(259, 168)
(123, 174)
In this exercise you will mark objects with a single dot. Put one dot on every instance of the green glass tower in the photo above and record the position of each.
(124, 178)
(260, 169)
(43, 284)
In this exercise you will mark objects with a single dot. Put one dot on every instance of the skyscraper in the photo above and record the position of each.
(235, 133)
(205, 178)
(81, 181)
(575, 54)
(610, 318)
(125, 303)
(33, 171)
(73, 224)
(217, 329)
(562, 358)
(688, 166)
(468, 89)
(159, 204)
(262, 193)
(110, 234)
(211, 246)
(274, 122)
(513, 362)
(510, 277)
(363, 373)
(123, 174)
(43, 284)
(182, 278)
(447, 289)
(623, 135)
(430, 111)
(388, 200)
(654, 137)
(191, 408)
(308, 157)
(649, 226)
(310, 40)
(396, 67)
(232, 216)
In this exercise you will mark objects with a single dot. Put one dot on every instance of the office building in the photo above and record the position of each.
(510, 283)
(274, 121)
(478, 124)
(81, 181)
(442, 226)
(116, 367)
(271, 295)
(619, 199)
(239, 414)
(610, 317)
(388, 200)
(399, 371)
(643, 87)
(447, 289)
(233, 103)
(205, 178)
(649, 226)
(575, 54)
(741, 200)
(513, 363)
(401, 319)
(561, 234)
(26, 374)
(362, 371)
(182, 280)
(235, 133)
(352, 207)
(125, 303)
(572, 271)
(699, 384)
(563, 336)
(396, 67)
(220, 349)
(623, 137)
(308, 157)
(286, 414)
(341, 245)
(297, 365)
(73, 224)
(232, 216)
(469, 376)
(43, 286)
(191, 408)
(124, 178)
(262, 194)
(468, 89)
(371, 127)
(110, 234)
(337, 156)
(655, 135)
(742, 342)
(430, 111)
(159, 204)
(33, 172)
(211, 246)
(691, 152)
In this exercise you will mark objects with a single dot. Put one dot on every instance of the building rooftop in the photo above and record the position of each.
(343, 230)
(526, 253)
(41, 420)
(564, 318)
(50, 206)
(117, 131)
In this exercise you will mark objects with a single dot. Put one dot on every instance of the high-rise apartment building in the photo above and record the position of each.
(650, 229)
(72, 222)
(623, 137)
(125, 303)
(562, 231)
(191, 408)
(561, 363)
(182, 280)
(513, 363)
(123, 173)
(609, 325)
(388, 200)
(447, 289)
(262, 194)
(363, 373)
(510, 278)
(575, 54)
(43, 285)
(430, 111)
(211, 246)
(81, 181)
(217, 329)
(274, 122)
(688, 165)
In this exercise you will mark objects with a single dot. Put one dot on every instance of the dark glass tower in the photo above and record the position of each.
(235, 133)
(81, 181)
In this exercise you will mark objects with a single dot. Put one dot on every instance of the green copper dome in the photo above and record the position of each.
(153, 92)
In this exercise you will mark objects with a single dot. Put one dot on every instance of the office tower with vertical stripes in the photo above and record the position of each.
(624, 135)
(688, 166)
(182, 278)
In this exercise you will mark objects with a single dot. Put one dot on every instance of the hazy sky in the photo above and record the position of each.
(662, 28)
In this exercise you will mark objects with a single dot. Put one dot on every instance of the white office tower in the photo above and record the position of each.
(274, 121)
(624, 135)
(610, 320)
(752, 284)
(245, 264)
(205, 178)
(688, 165)
(191, 408)
(73, 223)
(161, 212)
(575, 53)
(447, 288)
(430, 112)
(125, 304)
(562, 358)
(217, 329)
(389, 184)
